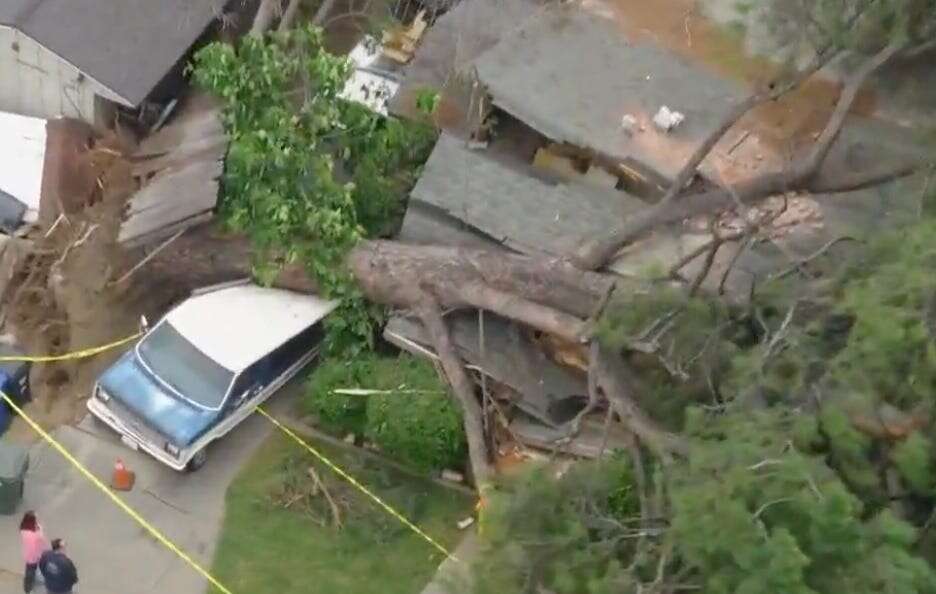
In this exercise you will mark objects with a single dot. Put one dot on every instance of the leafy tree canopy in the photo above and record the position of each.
(308, 174)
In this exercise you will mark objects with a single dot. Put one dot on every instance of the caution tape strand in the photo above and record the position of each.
(82, 354)
(338, 470)
(90, 352)
(120, 503)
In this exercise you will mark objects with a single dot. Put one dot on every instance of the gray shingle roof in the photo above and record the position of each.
(572, 75)
(513, 206)
(126, 45)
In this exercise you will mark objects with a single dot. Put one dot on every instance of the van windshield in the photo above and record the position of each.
(176, 361)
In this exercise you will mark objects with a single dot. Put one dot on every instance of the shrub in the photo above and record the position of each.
(339, 413)
(411, 418)
(420, 425)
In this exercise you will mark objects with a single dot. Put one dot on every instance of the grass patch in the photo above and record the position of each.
(267, 548)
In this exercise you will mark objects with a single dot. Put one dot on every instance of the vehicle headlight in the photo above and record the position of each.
(172, 450)
(101, 394)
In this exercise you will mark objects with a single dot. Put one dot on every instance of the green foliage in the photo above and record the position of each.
(913, 458)
(861, 26)
(566, 535)
(267, 547)
(339, 413)
(753, 514)
(308, 174)
(412, 419)
(684, 335)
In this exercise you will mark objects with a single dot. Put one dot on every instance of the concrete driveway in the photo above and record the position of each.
(113, 554)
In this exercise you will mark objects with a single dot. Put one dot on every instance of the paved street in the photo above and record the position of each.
(113, 554)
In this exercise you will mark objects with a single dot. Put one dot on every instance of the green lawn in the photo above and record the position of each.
(268, 548)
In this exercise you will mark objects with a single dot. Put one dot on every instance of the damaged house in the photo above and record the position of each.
(84, 58)
(566, 154)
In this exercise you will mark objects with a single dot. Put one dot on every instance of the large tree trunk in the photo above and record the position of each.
(395, 273)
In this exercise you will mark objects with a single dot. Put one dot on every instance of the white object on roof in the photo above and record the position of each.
(628, 122)
(236, 326)
(666, 119)
(368, 84)
(22, 160)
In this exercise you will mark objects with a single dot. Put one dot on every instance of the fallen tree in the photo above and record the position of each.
(328, 224)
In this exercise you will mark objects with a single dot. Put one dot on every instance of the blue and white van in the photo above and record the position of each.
(205, 366)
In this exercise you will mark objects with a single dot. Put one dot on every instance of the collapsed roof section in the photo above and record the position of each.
(535, 74)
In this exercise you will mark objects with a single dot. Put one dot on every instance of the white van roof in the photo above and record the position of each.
(237, 325)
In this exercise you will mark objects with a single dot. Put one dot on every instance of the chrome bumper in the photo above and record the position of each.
(99, 410)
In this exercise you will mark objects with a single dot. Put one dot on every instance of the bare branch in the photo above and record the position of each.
(616, 389)
(834, 126)
(464, 389)
(826, 183)
(594, 255)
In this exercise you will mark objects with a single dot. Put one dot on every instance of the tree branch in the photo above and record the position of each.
(514, 307)
(464, 389)
(595, 254)
(833, 127)
(617, 390)
(827, 183)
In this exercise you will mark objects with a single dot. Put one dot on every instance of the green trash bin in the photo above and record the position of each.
(14, 460)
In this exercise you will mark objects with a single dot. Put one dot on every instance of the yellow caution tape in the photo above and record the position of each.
(139, 519)
(386, 507)
(82, 354)
(113, 497)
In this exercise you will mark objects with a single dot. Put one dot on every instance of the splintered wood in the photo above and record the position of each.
(399, 43)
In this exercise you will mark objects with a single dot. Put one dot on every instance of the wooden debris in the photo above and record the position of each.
(399, 43)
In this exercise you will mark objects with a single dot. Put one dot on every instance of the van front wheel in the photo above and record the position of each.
(198, 460)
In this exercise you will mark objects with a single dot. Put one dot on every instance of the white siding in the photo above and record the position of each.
(36, 82)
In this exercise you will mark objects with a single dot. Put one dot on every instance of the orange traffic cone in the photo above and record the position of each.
(123, 478)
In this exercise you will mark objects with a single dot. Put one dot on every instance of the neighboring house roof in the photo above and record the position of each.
(236, 326)
(127, 46)
(536, 74)
(450, 46)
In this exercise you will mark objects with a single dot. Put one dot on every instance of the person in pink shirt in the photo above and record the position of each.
(34, 544)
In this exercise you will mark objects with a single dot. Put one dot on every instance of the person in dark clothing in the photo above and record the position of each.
(59, 572)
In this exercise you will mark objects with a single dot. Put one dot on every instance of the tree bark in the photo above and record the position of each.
(616, 382)
(266, 14)
(289, 16)
(463, 387)
(393, 273)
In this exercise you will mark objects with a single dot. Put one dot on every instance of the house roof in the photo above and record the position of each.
(236, 326)
(536, 74)
(127, 46)
(509, 204)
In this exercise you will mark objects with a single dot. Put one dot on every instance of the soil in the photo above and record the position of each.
(66, 298)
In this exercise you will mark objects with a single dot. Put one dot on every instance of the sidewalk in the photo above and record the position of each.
(114, 555)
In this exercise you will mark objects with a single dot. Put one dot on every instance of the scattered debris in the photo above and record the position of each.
(373, 83)
(399, 43)
(666, 119)
(629, 123)
(178, 169)
(465, 523)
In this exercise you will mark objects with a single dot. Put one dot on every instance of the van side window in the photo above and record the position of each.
(286, 355)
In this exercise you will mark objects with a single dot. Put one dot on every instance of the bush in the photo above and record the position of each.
(414, 420)
(339, 413)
